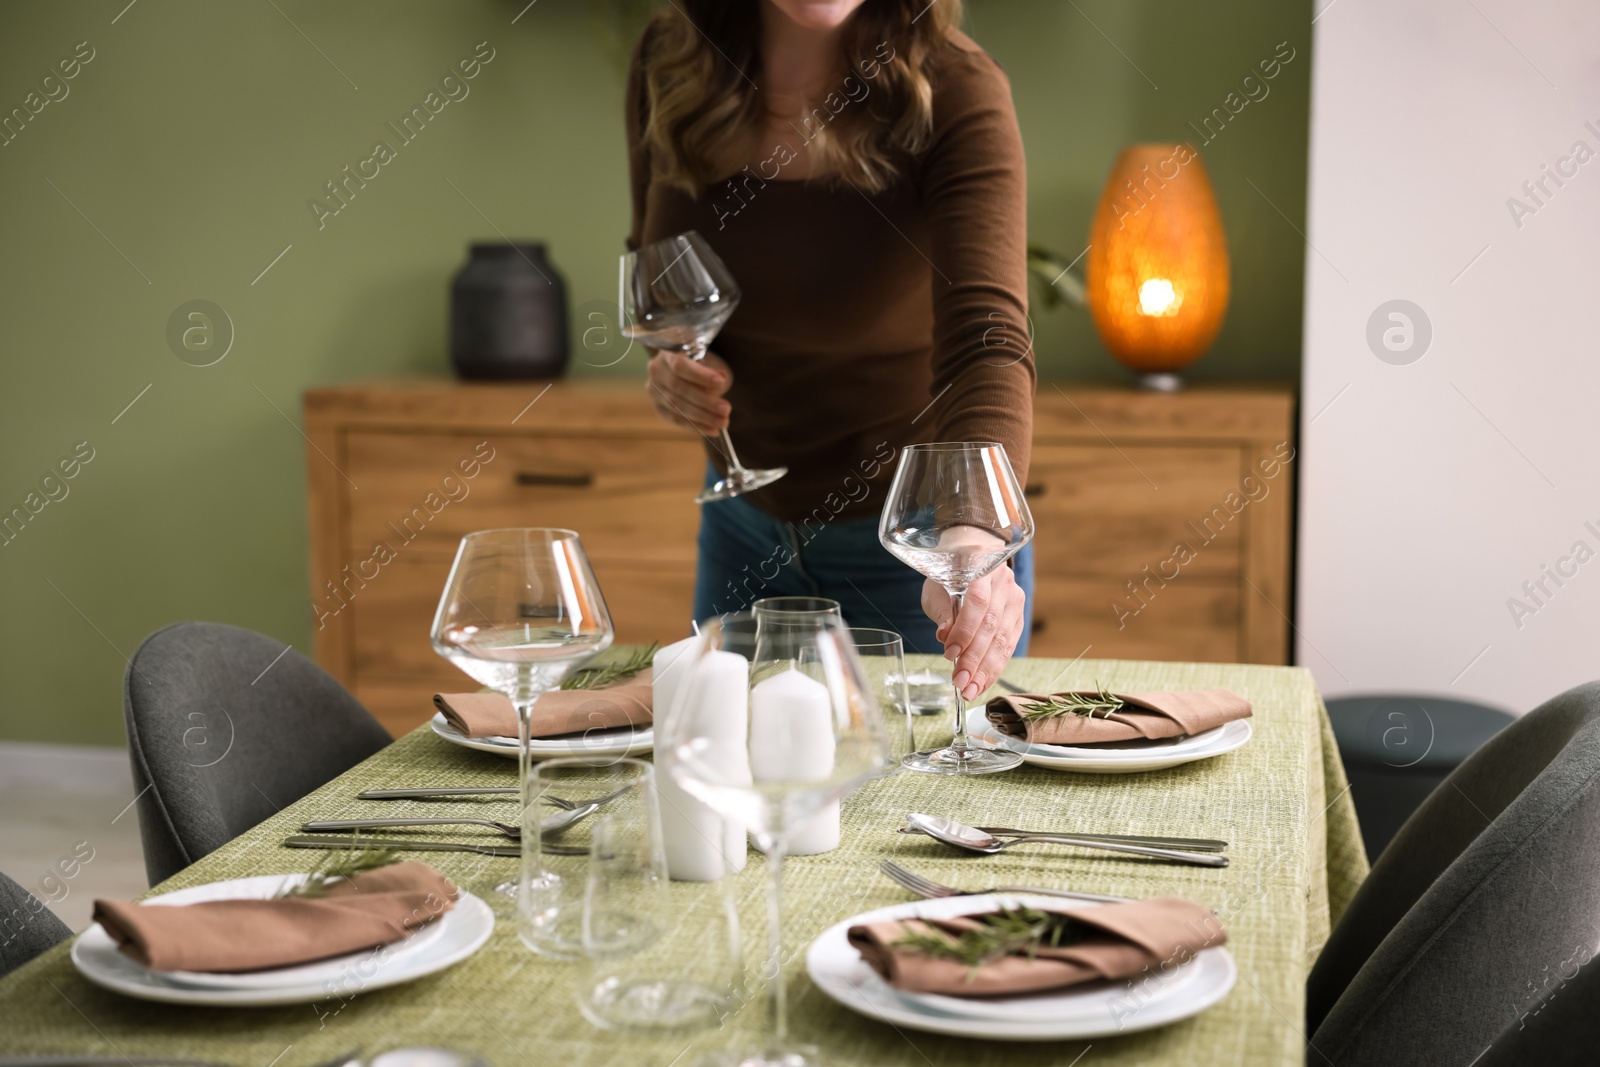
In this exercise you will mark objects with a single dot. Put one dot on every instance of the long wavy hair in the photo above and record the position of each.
(702, 66)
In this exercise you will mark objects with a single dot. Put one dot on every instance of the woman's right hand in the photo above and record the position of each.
(689, 392)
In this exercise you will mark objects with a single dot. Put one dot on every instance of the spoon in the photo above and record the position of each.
(961, 835)
(554, 825)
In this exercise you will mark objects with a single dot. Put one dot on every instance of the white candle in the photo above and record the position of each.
(791, 739)
(711, 695)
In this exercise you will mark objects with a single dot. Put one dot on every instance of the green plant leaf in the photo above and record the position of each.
(1003, 933)
(340, 865)
(1080, 704)
(602, 675)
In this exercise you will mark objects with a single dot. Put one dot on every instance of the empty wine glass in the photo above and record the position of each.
(810, 733)
(676, 294)
(954, 513)
(520, 609)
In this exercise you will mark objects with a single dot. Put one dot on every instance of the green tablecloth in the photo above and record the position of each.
(1282, 801)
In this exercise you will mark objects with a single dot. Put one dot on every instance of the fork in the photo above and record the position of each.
(431, 792)
(927, 887)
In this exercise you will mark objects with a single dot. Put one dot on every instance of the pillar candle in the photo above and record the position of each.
(791, 739)
(711, 691)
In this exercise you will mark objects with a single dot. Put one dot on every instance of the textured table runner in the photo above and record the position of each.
(1282, 801)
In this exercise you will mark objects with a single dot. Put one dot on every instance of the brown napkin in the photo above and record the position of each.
(1145, 716)
(1123, 940)
(625, 702)
(368, 910)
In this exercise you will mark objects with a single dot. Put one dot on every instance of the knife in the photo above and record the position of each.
(328, 841)
(456, 791)
(1195, 844)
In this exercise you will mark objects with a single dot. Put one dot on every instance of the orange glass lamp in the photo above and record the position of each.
(1158, 262)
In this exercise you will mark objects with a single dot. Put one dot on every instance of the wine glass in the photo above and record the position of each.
(676, 294)
(954, 513)
(520, 609)
(810, 733)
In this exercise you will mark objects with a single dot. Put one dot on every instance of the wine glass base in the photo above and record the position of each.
(969, 760)
(739, 482)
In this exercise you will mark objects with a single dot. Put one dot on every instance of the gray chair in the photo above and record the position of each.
(1491, 886)
(225, 727)
(1561, 1027)
(27, 926)
(1397, 749)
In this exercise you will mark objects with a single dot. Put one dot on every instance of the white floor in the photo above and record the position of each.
(62, 805)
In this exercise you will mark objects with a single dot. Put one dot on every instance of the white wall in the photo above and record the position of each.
(1432, 491)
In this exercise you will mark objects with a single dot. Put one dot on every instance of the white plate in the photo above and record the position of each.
(1224, 738)
(1141, 749)
(1100, 1009)
(606, 743)
(453, 937)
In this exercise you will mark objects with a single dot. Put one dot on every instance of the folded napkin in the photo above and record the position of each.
(1113, 941)
(625, 702)
(1143, 716)
(366, 911)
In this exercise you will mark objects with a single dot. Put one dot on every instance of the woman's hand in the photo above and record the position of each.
(688, 392)
(979, 641)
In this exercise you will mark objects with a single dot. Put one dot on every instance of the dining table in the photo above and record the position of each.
(1281, 801)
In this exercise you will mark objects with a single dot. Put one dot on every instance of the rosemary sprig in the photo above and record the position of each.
(1003, 933)
(601, 675)
(340, 865)
(1104, 702)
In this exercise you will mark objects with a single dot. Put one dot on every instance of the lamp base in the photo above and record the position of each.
(1161, 383)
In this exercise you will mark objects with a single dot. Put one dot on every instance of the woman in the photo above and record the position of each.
(857, 165)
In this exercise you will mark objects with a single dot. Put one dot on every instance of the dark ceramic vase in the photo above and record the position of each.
(508, 314)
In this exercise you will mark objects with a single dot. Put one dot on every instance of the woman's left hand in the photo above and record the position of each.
(980, 640)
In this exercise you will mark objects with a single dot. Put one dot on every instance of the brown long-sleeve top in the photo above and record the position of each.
(868, 321)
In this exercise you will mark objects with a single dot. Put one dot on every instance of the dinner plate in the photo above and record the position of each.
(1126, 760)
(454, 936)
(1092, 1010)
(600, 743)
(1140, 749)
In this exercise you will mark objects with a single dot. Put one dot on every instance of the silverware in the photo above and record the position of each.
(927, 887)
(1193, 844)
(68, 1059)
(550, 827)
(427, 793)
(456, 791)
(960, 835)
(328, 841)
(1010, 687)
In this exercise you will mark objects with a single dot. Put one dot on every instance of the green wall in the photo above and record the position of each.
(181, 161)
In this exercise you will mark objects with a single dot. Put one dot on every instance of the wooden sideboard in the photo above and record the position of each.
(398, 471)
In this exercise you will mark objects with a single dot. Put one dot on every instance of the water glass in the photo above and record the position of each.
(555, 869)
(658, 956)
(883, 658)
(803, 606)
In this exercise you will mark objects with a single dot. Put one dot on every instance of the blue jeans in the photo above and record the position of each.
(746, 554)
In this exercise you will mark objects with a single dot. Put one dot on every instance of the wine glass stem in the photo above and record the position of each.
(697, 354)
(524, 708)
(959, 743)
(777, 1004)
(734, 466)
(523, 693)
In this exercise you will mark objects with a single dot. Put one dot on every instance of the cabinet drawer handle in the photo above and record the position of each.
(575, 480)
(1033, 489)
